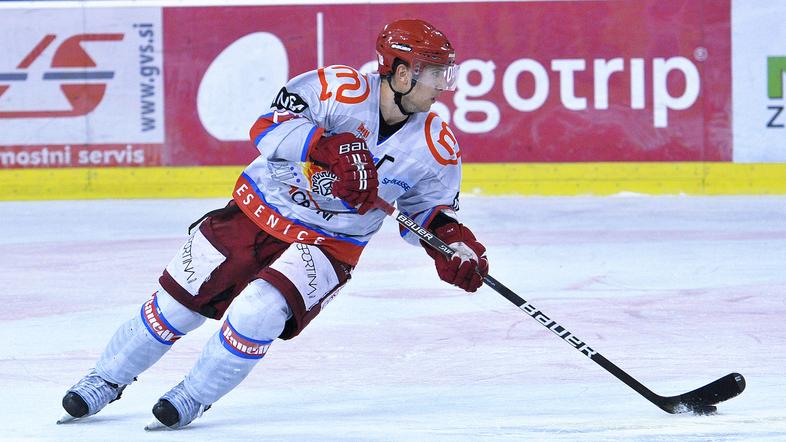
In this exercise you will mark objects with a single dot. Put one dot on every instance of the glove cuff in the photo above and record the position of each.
(454, 232)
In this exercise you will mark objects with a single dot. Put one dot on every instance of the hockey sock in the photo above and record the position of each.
(254, 320)
(142, 340)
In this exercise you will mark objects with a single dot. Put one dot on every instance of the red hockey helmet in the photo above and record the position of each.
(423, 48)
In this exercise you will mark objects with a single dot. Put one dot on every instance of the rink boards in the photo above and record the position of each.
(116, 99)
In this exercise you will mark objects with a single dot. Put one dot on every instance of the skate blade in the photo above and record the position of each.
(66, 418)
(155, 425)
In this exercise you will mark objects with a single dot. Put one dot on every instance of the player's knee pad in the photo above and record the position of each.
(257, 317)
(166, 319)
(259, 312)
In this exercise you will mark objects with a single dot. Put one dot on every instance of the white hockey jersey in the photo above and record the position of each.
(419, 166)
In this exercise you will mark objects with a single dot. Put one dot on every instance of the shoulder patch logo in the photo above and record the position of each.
(292, 102)
(446, 149)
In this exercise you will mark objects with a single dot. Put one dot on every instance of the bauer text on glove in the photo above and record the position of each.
(347, 157)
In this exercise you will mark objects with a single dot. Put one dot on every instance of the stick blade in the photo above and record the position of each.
(702, 399)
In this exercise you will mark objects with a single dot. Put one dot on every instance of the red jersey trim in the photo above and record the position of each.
(267, 217)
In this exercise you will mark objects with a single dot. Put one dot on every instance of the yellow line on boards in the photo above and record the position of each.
(613, 178)
(119, 182)
(478, 178)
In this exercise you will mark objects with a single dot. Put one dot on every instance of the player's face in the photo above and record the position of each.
(431, 82)
(421, 98)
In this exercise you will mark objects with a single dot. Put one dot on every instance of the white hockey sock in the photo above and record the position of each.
(254, 320)
(142, 340)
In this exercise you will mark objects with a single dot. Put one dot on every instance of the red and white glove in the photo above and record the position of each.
(469, 265)
(347, 157)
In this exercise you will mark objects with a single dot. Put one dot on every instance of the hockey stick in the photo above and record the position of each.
(699, 401)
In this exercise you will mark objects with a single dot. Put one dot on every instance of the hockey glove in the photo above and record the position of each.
(348, 158)
(469, 265)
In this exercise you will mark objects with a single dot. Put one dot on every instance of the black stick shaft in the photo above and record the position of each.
(433, 241)
(570, 338)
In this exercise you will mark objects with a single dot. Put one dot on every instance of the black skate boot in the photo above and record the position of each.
(89, 396)
(176, 409)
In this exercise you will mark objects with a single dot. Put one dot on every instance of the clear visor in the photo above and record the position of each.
(439, 76)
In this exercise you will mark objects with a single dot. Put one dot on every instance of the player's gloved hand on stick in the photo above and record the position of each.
(469, 265)
(348, 157)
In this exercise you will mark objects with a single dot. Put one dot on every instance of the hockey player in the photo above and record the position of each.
(334, 142)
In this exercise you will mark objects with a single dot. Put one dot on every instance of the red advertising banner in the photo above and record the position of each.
(540, 81)
(546, 81)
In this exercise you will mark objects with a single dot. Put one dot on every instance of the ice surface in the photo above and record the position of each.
(677, 291)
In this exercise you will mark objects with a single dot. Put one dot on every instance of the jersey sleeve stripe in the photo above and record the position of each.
(262, 127)
(311, 140)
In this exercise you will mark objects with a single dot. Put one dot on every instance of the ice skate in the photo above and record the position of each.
(89, 396)
(175, 410)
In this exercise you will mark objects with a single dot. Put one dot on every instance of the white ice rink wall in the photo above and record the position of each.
(104, 99)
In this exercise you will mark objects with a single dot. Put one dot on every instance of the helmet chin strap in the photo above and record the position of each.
(398, 95)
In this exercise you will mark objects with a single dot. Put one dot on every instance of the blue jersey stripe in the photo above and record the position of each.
(265, 132)
(304, 154)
